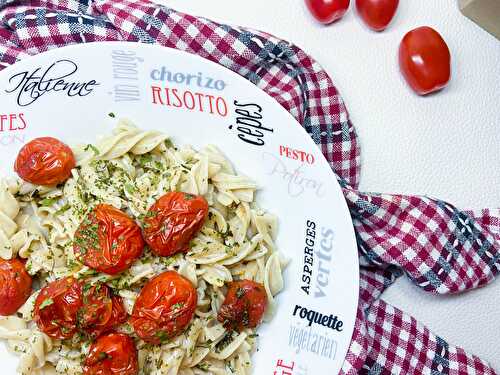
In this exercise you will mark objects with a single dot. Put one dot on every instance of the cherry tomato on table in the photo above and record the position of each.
(15, 286)
(424, 60)
(100, 311)
(173, 221)
(377, 14)
(112, 354)
(56, 308)
(327, 11)
(108, 240)
(164, 308)
(244, 306)
(45, 161)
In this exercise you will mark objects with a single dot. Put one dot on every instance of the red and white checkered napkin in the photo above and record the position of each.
(440, 248)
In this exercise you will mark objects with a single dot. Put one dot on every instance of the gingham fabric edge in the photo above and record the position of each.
(366, 220)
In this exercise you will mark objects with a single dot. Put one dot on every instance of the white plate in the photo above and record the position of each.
(127, 79)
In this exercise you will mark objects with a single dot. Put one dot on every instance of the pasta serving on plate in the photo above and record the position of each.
(133, 256)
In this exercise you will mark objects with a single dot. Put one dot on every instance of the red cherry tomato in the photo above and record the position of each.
(15, 286)
(244, 306)
(112, 354)
(424, 60)
(101, 310)
(173, 221)
(377, 14)
(164, 308)
(56, 308)
(108, 240)
(327, 11)
(45, 161)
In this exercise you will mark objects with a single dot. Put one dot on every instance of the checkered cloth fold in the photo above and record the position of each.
(439, 247)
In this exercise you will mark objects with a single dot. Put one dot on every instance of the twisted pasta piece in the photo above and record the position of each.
(128, 138)
(31, 344)
(19, 235)
(10, 239)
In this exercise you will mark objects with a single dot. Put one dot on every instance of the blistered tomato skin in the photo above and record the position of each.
(45, 161)
(108, 240)
(377, 14)
(164, 308)
(425, 60)
(327, 11)
(101, 311)
(15, 286)
(56, 308)
(112, 354)
(173, 221)
(244, 305)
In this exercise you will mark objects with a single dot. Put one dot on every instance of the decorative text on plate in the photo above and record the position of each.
(12, 126)
(196, 97)
(56, 78)
(249, 123)
(296, 180)
(125, 65)
(320, 255)
(298, 155)
(289, 368)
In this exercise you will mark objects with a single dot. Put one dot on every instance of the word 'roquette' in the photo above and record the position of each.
(31, 86)
(330, 321)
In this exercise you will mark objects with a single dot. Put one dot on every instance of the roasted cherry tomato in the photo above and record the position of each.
(56, 308)
(101, 311)
(327, 11)
(244, 306)
(15, 286)
(164, 308)
(108, 240)
(424, 60)
(377, 14)
(112, 354)
(45, 161)
(173, 221)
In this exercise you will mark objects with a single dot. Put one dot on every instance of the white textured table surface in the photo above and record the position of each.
(446, 145)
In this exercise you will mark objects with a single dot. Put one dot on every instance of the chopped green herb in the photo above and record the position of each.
(177, 306)
(145, 159)
(162, 336)
(129, 188)
(93, 148)
(47, 302)
(102, 356)
(111, 114)
(63, 209)
(168, 143)
(226, 340)
(86, 287)
(240, 292)
(203, 366)
(245, 319)
(48, 202)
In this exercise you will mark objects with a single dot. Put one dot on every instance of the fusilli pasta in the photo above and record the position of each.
(130, 169)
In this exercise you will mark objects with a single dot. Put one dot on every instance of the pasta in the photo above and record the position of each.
(129, 170)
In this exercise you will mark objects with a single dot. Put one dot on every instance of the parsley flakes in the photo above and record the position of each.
(47, 302)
